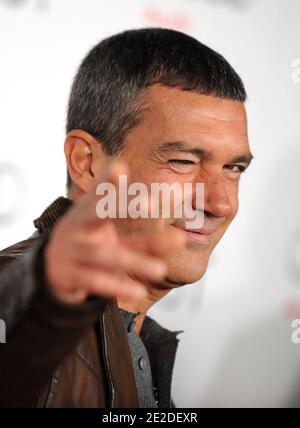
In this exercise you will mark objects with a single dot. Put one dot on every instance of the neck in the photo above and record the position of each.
(74, 194)
(155, 293)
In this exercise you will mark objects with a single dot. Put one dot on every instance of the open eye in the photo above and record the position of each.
(235, 168)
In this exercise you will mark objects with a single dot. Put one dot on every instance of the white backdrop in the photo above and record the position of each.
(236, 349)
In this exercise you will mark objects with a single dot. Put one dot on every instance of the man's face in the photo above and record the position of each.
(185, 137)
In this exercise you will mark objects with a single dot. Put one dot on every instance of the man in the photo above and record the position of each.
(159, 106)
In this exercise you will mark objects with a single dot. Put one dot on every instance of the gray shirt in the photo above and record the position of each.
(153, 356)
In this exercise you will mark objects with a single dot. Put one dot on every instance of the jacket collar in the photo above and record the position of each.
(52, 214)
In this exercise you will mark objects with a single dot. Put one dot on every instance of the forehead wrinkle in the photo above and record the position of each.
(182, 147)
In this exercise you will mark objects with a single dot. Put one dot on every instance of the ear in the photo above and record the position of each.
(85, 158)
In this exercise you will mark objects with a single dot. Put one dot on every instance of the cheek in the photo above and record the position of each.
(234, 207)
(233, 195)
(129, 226)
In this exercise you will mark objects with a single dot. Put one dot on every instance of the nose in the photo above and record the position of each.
(216, 198)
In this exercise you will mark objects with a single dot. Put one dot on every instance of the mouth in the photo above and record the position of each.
(198, 236)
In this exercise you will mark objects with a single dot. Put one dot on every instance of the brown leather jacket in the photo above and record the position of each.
(58, 355)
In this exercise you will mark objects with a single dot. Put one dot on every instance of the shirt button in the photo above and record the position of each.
(142, 363)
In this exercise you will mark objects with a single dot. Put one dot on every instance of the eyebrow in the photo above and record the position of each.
(183, 147)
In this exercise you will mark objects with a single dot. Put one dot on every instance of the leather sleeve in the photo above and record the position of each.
(41, 331)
